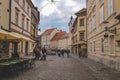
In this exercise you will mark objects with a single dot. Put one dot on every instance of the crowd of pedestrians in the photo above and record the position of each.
(61, 52)
(41, 53)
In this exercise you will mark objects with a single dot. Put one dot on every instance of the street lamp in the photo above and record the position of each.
(118, 17)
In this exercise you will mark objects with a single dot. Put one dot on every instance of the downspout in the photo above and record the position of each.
(86, 29)
(10, 2)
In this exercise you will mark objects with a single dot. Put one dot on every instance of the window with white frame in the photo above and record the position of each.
(101, 13)
(81, 34)
(82, 22)
(110, 7)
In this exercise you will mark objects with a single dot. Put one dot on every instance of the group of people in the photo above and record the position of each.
(40, 53)
(62, 52)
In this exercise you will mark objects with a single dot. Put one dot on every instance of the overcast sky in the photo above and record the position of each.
(57, 15)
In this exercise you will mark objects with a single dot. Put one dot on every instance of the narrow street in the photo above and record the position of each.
(57, 68)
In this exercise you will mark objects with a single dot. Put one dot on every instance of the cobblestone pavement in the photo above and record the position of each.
(58, 68)
(98, 70)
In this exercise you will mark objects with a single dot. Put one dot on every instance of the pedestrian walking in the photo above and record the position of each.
(58, 52)
(44, 54)
(62, 52)
(36, 52)
(80, 54)
(68, 52)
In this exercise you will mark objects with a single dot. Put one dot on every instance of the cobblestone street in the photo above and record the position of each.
(59, 68)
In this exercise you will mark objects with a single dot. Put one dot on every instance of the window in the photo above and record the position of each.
(81, 22)
(94, 46)
(101, 14)
(102, 46)
(28, 9)
(27, 24)
(110, 7)
(81, 36)
(23, 20)
(112, 44)
(23, 4)
(16, 16)
(76, 39)
(91, 47)
(94, 22)
(17, 1)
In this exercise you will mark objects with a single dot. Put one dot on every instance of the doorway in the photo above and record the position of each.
(26, 48)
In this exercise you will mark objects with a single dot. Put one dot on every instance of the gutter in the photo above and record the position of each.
(10, 2)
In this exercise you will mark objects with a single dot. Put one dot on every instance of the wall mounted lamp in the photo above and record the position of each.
(108, 30)
(118, 17)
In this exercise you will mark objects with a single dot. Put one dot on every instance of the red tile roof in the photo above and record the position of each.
(58, 36)
(65, 36)
(48, 31)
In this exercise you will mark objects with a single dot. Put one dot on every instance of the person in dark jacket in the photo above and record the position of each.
(68, 52)
(44, 53)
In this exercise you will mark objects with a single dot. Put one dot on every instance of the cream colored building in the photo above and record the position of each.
(64, 42)
(46, 36)
(15, 21)
(79, 33)
(103, 31)
(55, 40)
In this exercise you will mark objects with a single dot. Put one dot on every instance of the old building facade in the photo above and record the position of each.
(46, 36)
(17, 25)
(64, 42)
(103, 29)
(79, 33)
(55, 40)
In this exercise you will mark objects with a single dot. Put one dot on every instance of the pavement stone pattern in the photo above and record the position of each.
(63, 68)
(99, 70)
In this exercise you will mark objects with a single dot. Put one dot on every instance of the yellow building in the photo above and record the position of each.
(79, 33)
(103, 31)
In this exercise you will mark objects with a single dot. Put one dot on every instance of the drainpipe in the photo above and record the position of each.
(10, 2)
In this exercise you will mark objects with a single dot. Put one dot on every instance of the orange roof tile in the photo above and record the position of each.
(58, 36)
(48, 31)
(65, 36)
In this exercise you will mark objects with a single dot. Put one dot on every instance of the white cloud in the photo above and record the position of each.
(58, 13)
(70, 3)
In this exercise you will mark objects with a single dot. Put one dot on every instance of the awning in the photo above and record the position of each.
(5, 35)
(20, 37)
(13, 35)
